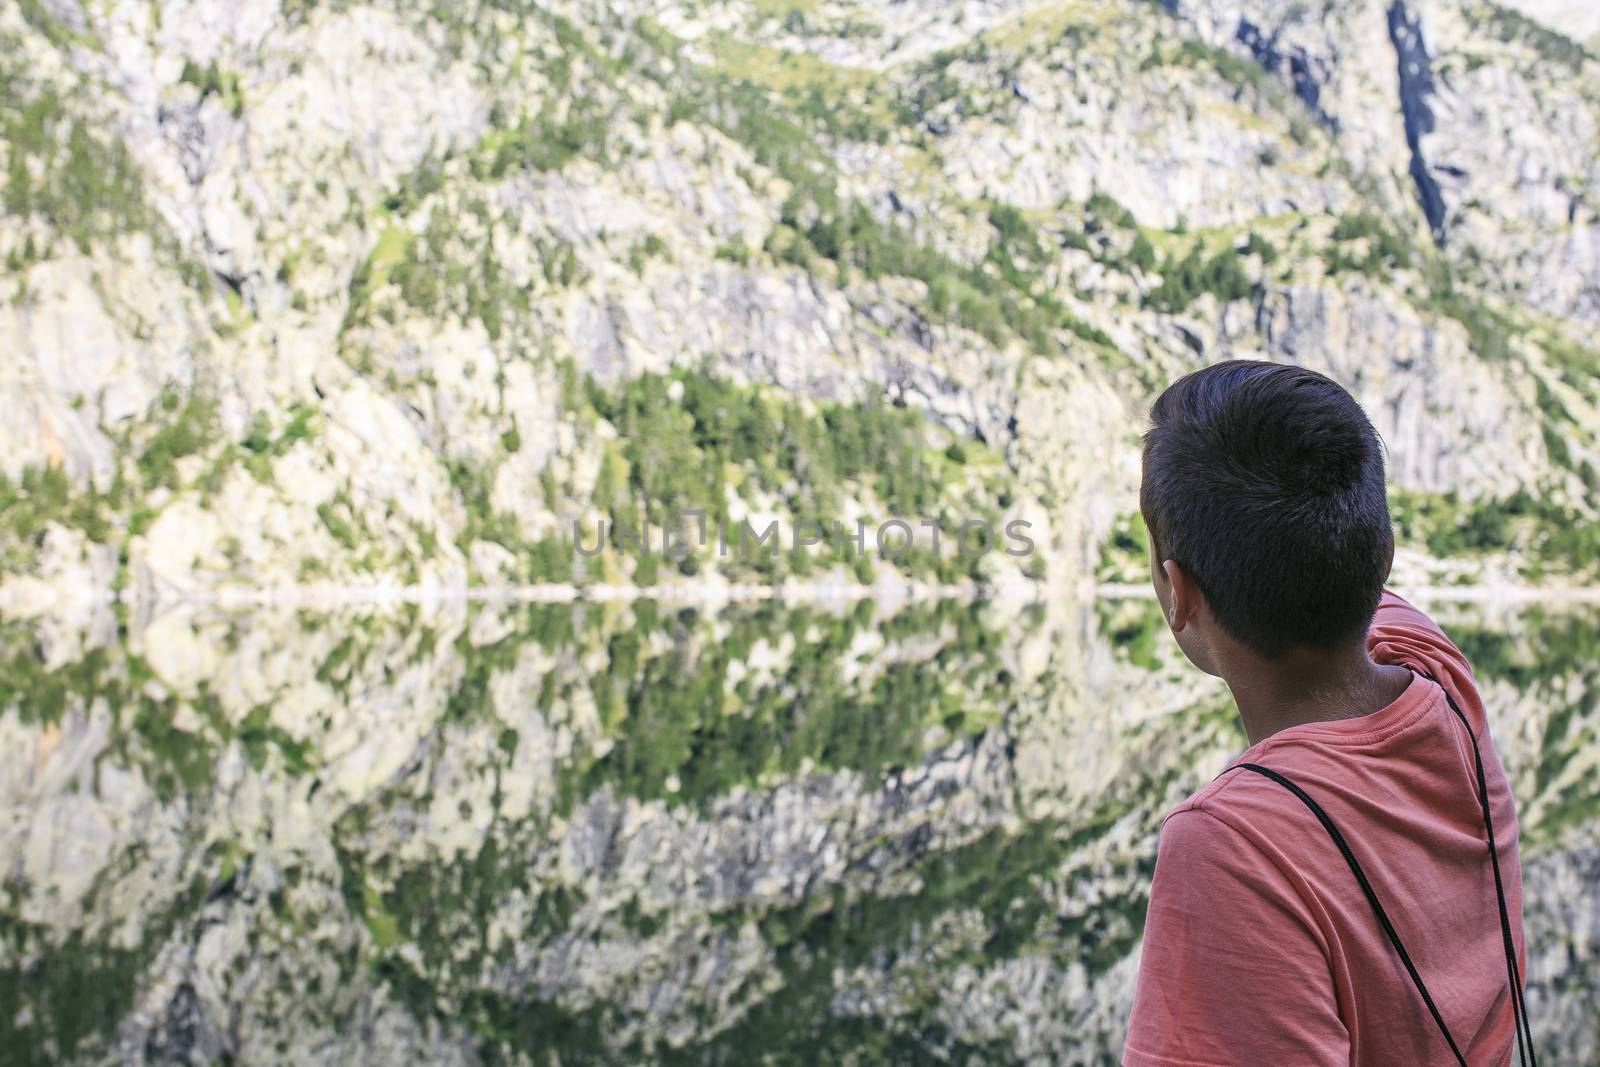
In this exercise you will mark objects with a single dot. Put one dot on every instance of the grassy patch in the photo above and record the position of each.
(1513, 27)
(1184, 278)
(64, 171)
(1551, 538)
(1366, 243)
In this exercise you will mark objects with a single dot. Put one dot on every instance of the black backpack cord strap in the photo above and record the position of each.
(1519, 1006)
(1371, 894)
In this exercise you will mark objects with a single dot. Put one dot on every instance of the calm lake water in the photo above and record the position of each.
(650, 834)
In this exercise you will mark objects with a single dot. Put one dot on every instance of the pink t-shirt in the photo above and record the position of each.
(1260, 947)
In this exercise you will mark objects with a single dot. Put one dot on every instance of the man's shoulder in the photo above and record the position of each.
(1229, 838)
(1402, 634)
(1238, 805)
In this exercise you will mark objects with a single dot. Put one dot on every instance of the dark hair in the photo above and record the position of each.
(1265, 482)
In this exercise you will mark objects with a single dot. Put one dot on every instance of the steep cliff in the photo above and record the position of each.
(343, 294)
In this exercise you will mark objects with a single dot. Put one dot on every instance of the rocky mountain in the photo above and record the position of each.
(310, 298)
(335, 294)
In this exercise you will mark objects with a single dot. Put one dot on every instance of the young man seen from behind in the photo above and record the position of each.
(1334, 897)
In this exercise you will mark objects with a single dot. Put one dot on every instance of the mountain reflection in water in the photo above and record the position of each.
(642, 833)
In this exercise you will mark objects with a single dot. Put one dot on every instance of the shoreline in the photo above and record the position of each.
(38, 599)
(33, 600)
(1465, 594)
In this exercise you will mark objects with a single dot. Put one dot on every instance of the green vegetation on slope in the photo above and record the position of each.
(690, 443)
(1001, 297)
(62, 172)
(1548, 538)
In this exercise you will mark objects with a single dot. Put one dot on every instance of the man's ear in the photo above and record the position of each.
(1186, 596)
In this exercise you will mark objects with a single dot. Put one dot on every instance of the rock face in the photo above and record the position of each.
(328, 294)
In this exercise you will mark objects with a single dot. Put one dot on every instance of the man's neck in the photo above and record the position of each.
(1308, 686)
